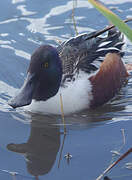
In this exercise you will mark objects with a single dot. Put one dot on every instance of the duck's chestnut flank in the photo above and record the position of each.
(108, 80)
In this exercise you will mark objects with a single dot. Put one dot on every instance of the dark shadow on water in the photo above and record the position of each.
(42, 146)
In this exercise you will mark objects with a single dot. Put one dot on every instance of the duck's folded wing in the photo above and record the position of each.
(87, 53)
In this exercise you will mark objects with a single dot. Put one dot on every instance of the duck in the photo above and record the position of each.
(87, 71)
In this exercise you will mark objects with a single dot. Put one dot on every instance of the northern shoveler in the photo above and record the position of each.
(87, 70)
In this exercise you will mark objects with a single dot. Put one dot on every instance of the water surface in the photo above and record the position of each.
(33, 145)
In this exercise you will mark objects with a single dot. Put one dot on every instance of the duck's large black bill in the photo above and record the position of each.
(24, 97)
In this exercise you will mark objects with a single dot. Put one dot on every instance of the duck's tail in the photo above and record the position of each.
(113, 43)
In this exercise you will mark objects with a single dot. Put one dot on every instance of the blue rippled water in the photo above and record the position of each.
(32, 145)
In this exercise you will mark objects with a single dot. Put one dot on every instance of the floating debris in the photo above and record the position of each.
(68, 156)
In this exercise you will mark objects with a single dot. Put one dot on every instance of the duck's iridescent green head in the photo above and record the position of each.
(43, 77)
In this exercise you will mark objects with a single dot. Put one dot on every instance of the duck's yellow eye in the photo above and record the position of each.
(46, 65)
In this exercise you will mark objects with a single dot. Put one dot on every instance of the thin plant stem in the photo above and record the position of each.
(123, 134)
(62, 113)
(63, 120)
(73, 19)
(124, 139)
(113, 164)
(61, 150)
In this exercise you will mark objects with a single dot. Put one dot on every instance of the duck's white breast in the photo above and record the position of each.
(76, 96)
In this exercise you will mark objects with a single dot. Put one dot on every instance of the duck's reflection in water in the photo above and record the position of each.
(44, 141)
(42, 146)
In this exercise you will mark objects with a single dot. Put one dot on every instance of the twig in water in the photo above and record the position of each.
(113, 164)
(73, 18)
(123, 134)
(124, 139)
(61, 150)
(62, 113)
(124, 142)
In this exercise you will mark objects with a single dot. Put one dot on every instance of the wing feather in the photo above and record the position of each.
(85, 53)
